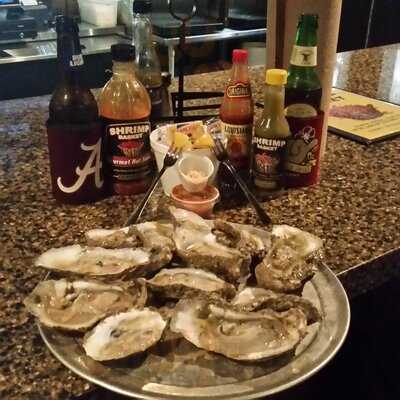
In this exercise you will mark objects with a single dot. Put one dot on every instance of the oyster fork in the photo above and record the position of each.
(170, 159)
(222, 156)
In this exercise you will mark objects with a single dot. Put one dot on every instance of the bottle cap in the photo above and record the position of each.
(240, 56)
(142, 6)
(122, 52)
(276, 77)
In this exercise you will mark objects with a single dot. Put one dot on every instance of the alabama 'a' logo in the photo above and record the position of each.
(92, 166)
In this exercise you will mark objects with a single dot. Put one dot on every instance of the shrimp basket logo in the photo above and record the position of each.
(265, 163)
(131, 148)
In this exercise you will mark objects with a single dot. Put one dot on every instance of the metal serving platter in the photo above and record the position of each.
(178, 370)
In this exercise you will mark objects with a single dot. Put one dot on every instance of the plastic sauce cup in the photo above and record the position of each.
(201, 164)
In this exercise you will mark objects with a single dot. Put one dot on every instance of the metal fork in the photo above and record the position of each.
(170, 159)
(222, 156)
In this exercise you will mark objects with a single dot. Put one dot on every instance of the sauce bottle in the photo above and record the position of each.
(125, 107)
(236, 114)
(303, 88)
(73, 130)
(271, 134)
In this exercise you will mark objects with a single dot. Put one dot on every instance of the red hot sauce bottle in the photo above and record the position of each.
(74, 130)
(236, 114)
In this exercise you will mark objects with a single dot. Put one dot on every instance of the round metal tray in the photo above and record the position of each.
(178, 370)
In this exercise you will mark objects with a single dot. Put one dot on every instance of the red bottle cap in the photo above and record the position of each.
(240, 56)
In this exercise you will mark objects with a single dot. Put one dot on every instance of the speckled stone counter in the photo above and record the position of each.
(355, 210)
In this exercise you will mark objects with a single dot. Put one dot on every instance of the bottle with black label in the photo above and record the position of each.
(303, 88)
(125, 108)
(270, 137)
(147, 63)
(74, 129)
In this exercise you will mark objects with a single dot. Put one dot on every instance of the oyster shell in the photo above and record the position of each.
(303, 242)
(99, 262)
(246, 336)
(198, 247)
(78, 305)
(112, 238)
(154, 235)
(158, 238)
(240, 239)
(289, 263)
(257, 299)
(178, 282)
(147, 234)
(124, 334)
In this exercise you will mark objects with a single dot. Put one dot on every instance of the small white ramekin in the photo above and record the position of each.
(198, 163)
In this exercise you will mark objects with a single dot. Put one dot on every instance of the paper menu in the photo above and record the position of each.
(361, 118)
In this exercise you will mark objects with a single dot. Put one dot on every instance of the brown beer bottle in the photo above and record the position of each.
(125, 110)
(73, 129)
(236, 114)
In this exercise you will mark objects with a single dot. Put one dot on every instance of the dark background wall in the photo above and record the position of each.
(369, 23)
(385, 27)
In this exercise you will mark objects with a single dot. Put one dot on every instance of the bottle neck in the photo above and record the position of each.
(70, 60)
(240, 73)
(304, 55)
(274, 101)
(123, 69)
(307, 34)
(142, 32)
(71, 77)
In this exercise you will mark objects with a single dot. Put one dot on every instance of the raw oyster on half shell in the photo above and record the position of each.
(78, 305)
(238, 238)
(247, 336)
(154, 235)
(147, 234)
(100, 262)
(303, 242)
(198, 247)
(177, 282)
(124, 334)
(112, 238)
(258, 299)
(290, 261)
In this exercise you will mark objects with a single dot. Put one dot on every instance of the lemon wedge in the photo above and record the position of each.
(182, 141)
(205, 141)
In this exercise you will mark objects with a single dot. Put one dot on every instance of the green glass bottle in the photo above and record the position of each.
(303, 88)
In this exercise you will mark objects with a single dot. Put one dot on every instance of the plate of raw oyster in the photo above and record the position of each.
(191, 308)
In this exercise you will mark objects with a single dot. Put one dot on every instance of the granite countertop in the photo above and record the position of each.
(355, 210)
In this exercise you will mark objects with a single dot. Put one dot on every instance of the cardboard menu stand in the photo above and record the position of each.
(282, 18)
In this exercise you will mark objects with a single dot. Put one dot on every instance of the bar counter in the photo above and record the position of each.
(355, 210)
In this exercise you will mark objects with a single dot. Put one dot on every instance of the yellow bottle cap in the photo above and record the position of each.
(276, 77)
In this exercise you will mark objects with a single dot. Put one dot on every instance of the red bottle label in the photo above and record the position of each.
(239, 143)
(302, 161)
(128, 149)
(76, 163)
(239, 90)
